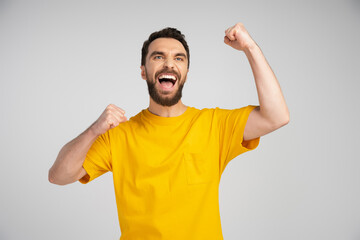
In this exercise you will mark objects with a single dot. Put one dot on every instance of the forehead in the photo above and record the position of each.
(166, 45)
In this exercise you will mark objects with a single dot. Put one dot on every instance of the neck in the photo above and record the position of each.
(164, 111)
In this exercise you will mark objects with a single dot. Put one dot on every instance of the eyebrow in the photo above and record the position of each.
(180, 55)
(163, 54)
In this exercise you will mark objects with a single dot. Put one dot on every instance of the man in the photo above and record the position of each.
(167, 160)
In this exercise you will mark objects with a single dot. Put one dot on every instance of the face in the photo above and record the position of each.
(165, 70)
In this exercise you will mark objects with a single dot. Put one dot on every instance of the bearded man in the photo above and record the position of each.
(167, 160)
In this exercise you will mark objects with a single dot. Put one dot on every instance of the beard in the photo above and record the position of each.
(161, 98)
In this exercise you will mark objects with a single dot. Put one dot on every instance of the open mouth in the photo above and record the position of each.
(167, 80)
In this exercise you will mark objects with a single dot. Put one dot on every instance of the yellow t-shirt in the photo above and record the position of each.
(167, 171)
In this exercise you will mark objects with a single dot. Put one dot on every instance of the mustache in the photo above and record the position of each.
(178, 76)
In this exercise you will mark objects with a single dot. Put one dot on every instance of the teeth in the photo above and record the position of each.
(168, 76)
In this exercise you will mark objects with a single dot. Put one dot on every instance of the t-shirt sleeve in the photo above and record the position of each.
(231, 131)
(98, 159)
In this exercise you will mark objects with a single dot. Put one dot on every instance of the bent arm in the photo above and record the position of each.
(273, 112)
(67, 167)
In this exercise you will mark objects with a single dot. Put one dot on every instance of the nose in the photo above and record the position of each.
(169, 63)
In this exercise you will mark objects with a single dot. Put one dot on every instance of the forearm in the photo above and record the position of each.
(68, 164)
(273, 112)
(272, 103)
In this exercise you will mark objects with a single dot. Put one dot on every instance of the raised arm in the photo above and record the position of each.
(67, 167)
(273, 112)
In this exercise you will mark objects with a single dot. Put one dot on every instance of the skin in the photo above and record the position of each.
(273, 112)
(171, 57)
(269, 116)
(67, 167)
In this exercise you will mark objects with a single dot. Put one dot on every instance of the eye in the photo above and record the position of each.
(158, 57)
(179, 59)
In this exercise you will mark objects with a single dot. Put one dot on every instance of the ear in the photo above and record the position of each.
(143, 75)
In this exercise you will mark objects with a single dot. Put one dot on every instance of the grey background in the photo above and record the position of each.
(63, 62)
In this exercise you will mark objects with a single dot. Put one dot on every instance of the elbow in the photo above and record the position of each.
(285, 119)
(51, 176)
(54, 179)
(280, 121)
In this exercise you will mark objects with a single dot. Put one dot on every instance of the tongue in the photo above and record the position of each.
(167, 84)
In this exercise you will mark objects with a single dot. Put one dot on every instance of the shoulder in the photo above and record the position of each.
(206, 114)
(200, 113)
(225, 115)
(213, 112)
(237, 111)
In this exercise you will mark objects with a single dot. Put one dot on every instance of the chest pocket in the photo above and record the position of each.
(198, 168)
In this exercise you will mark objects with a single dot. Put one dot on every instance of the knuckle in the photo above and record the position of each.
(108, 114)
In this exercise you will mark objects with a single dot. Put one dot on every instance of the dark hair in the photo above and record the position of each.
(164, 33)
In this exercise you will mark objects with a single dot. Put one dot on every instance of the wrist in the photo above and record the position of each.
(93, 131)
(251, 49)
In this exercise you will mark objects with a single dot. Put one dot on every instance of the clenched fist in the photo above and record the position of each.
(110, 118)
(238, 37)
